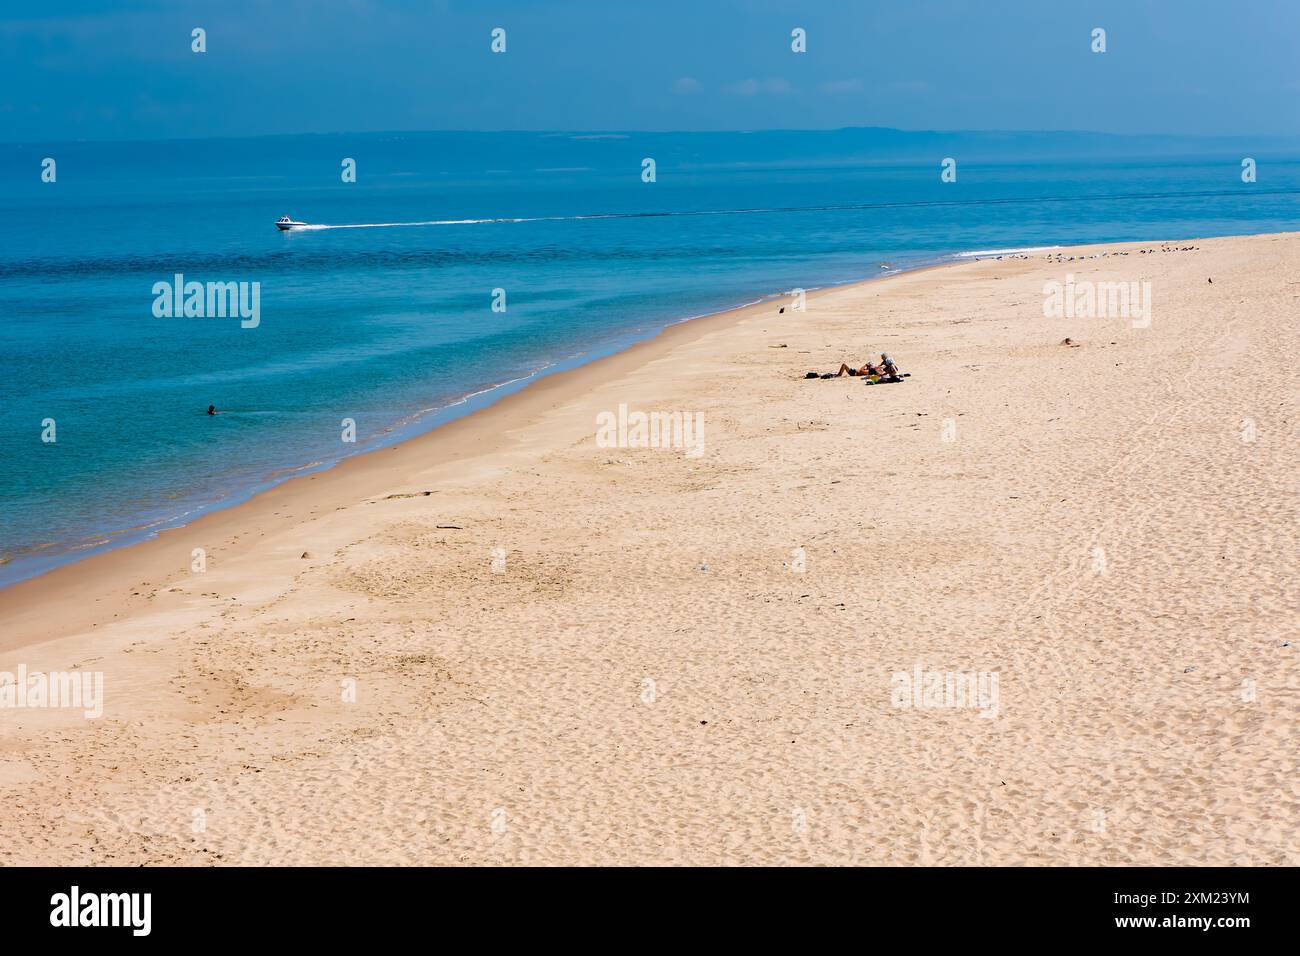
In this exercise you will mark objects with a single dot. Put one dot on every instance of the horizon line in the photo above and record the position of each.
(1201, 137)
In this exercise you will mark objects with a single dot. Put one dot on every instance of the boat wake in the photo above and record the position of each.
(314, 227)
(838, 207)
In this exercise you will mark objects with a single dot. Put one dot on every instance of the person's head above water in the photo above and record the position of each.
(212, 409)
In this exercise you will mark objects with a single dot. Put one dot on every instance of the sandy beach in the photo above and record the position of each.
(505, 643)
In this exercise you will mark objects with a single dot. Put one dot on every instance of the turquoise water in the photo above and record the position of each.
(392, 326)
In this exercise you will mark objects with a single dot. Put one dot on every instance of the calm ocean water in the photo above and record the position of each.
(392, 326)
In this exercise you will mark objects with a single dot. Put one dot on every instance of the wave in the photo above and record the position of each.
(984, 253)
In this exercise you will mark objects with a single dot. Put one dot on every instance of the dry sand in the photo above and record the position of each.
(649, 679)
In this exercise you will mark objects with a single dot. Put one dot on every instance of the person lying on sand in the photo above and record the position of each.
(867, 369)
(886, 371)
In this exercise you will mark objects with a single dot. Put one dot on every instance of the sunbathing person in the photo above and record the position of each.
(886, 371)
(867, 369)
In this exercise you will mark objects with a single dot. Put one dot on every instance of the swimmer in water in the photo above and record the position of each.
(212, 409)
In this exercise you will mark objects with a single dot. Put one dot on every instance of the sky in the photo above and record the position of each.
(125, 70)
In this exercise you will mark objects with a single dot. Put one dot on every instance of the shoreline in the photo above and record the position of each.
(16, 597)
(165, 553)
(19, 600)
(408, 427)
(630, 653)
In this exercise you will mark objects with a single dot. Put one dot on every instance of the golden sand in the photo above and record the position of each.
(635, 655)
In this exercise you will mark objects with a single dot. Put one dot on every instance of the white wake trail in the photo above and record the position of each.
(311, 227)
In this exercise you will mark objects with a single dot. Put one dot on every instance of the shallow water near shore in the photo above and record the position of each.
(392, 326)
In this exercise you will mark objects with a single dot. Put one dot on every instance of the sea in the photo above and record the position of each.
(442, 271)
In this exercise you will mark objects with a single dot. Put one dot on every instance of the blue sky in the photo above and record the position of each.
(102, 70)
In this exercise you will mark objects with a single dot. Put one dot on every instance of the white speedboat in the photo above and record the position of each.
(284, 223)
